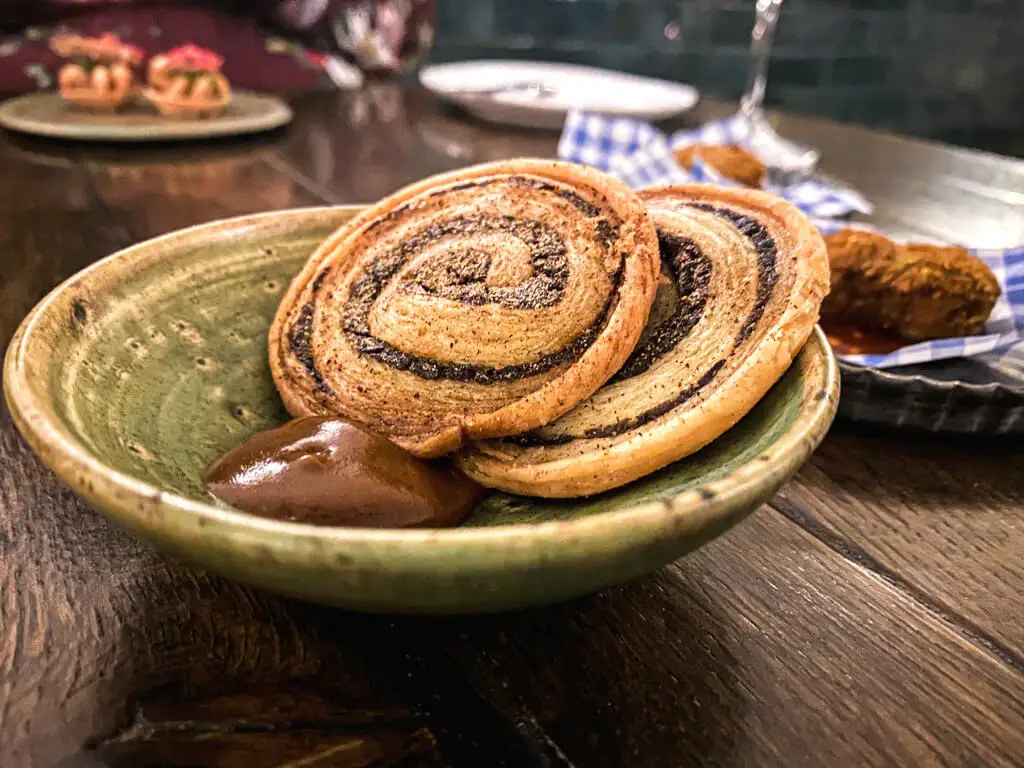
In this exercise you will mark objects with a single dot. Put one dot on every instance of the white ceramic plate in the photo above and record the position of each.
(598, 90)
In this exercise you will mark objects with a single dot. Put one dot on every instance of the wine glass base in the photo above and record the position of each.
(787, 161)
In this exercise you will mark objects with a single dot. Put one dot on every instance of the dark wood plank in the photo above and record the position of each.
(265, 728)
(939, 517)
(49, 229)
(761, 649)
(151, 193)
(174, 748)
(46, 203)
(359, 147)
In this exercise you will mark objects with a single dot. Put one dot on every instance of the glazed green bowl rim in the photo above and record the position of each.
(161, 513)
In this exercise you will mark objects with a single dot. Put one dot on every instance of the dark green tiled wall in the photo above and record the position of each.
(943, 68)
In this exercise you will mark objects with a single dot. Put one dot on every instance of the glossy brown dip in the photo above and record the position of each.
(847, 340)
(326, 471)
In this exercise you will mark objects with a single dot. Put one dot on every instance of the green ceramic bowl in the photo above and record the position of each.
(130, 377)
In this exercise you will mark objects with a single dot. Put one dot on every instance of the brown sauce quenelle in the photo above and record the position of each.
(327, 471)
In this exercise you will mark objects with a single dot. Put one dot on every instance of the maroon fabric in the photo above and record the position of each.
(382, 37)
(254, 58)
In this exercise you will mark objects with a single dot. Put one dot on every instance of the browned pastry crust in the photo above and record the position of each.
(916, 291)
(475, 304)
(730, 160)
(744, 274)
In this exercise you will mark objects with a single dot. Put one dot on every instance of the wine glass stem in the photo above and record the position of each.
(760, 52)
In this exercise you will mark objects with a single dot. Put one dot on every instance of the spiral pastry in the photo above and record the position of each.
(743, 276)
(475, 304)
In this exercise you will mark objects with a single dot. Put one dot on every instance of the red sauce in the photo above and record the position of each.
(847, 340)
(326, 471)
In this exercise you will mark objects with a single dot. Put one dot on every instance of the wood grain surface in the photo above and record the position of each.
(760, 649)
(870, 615)
(943, 520)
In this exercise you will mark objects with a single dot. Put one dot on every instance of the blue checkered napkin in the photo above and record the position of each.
(641, 156)
(1001, 345)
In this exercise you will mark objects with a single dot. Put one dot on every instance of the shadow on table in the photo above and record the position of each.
(623, 678)
(618, 679)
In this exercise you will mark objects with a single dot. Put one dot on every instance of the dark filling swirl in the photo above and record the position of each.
(767, 262)
(690, 270)
(300, 343)
(459, 274)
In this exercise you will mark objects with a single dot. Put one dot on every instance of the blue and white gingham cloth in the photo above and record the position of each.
(641, 155)
(1002, 342)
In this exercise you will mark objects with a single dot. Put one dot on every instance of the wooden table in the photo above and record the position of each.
(871, 614)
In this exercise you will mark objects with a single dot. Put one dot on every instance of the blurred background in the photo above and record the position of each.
(945, 69)
(951, 70)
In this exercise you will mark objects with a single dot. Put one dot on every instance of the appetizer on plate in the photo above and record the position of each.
(100, 72)
(186, 82)
(915, 291)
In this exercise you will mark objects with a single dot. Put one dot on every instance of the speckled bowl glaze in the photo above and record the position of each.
(130, 377)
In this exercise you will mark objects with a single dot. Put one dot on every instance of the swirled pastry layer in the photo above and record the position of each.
(480, 303)
(743, 277)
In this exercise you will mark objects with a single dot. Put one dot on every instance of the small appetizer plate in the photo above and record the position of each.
(538, 94)
(135, 374)
(50, 115)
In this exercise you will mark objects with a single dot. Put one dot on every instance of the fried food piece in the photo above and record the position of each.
(731, 160)
(917, 291)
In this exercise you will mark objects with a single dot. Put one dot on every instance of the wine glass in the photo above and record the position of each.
(785, 157)
(384, 38)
